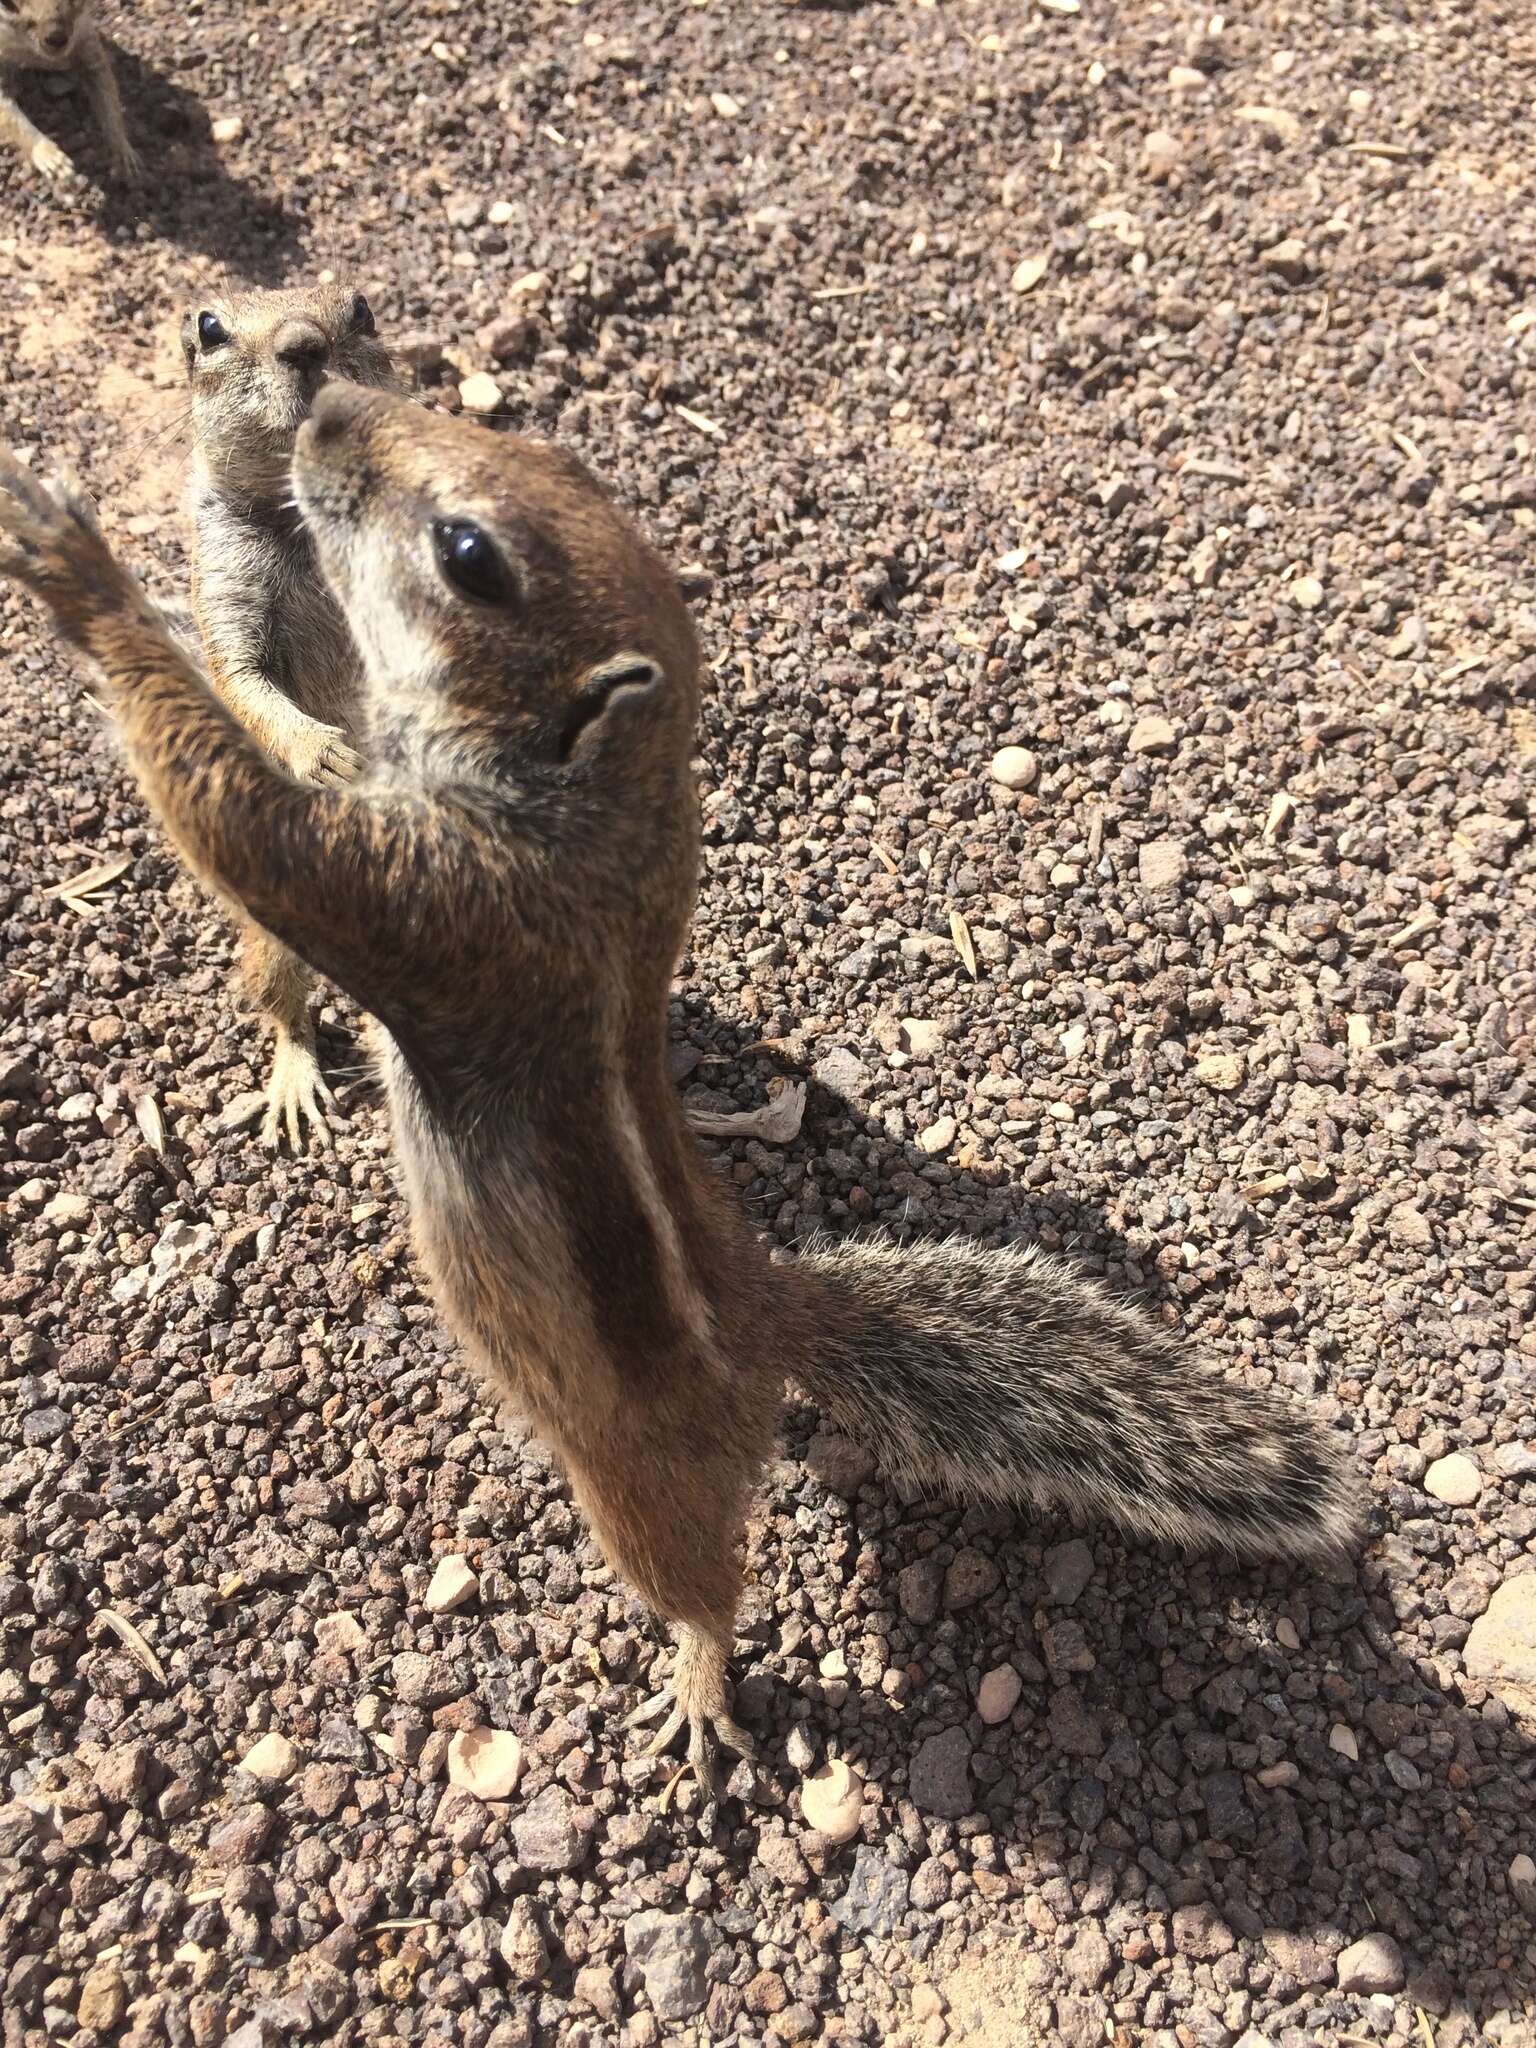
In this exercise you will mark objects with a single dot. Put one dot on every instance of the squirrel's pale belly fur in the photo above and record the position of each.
(508, 896)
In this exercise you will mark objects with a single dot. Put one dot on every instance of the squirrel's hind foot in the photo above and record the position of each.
(297, 1097)
(696, 1695)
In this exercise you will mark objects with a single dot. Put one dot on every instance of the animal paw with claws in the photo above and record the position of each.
(49, 541)
(298, 1100)
(51, 161)
(695, 1696)
(316, 753)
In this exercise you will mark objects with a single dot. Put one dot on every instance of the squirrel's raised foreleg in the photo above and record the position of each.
(324, 870)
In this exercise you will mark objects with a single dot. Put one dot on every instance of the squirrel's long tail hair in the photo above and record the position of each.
(1008, 1376)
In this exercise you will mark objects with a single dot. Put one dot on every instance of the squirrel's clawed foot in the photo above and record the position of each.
(52, 162)
(315, 752)
(695, 1694)
(297, 1099)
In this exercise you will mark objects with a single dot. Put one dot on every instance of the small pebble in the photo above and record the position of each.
(1015, 767)
(833, 1801)
(1374, 1964)
(485, 1761)
(452, 1584)
(1160, 155)
(998, 1694)
(938, 1136)
(480, 393)
(1454, 1480)
(1152, 735)
(1288, 259)
(273, 1760)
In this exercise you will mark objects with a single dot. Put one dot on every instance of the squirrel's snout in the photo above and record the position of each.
(336, 406)
(56, 39)
(302, 346)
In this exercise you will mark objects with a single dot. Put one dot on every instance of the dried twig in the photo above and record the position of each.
(777, 1122)
(76, 893)
(132, 1642)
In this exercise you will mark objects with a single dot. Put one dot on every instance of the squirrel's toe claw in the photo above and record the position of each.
(297, 1096)
(709, 1734)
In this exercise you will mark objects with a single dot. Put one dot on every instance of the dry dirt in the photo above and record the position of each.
(1148, 390)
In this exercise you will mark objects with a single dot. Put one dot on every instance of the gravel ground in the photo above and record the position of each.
(1145, 393)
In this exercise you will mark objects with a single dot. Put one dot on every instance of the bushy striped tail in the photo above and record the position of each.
(1009, 1376)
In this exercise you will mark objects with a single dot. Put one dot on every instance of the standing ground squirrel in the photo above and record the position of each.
(274, 643)
(508, 894)
(61, 35)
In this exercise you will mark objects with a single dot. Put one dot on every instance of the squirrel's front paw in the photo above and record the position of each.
(49, 538)
(129, 165)
(51, 161)
(317, 753)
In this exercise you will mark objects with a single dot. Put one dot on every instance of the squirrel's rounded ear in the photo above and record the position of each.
(694, 581)
(625, 680)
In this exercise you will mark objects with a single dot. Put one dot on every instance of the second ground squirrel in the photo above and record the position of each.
(274, 643)
(61, 35)
(508, 893)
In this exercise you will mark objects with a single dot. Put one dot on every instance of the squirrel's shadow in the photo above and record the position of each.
(1131, 1762)
(186, 195)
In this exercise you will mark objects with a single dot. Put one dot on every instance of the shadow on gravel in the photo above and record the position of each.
(1147, 1796)
(186, 194)
(1168, 1750)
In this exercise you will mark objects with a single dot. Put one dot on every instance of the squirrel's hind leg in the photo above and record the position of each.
(668, 1511)
(299, 1103)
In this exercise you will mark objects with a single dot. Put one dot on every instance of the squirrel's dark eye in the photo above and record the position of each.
(211, 331)
(362, 316)
(471, 561)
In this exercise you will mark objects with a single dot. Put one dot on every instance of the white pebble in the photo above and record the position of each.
(452, 1584)
(833, 1802)
(273, 1759)
(480, 393)
(485, 1761)
(1014, 767)
(1455, 1480)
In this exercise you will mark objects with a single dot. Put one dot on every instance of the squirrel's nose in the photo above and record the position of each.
(301, 344)
(56, 39)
